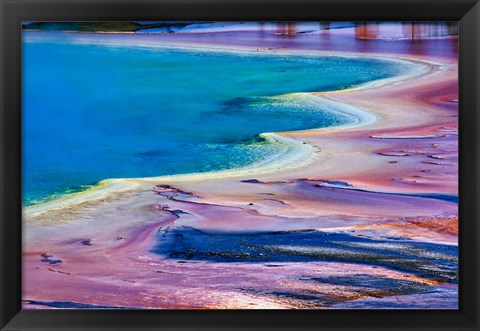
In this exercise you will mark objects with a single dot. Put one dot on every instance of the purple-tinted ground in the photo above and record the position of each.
(370, 221)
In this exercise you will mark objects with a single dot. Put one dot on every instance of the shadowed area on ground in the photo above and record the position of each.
(428, 260)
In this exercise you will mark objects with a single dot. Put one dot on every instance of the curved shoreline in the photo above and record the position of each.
(297, 154)
(215, 48)
(372, 222)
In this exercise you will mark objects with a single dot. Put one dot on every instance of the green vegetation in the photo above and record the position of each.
(99, 26)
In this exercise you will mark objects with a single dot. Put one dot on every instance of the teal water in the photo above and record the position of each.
(92, 112)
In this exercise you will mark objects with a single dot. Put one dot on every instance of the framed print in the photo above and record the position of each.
(240, 165)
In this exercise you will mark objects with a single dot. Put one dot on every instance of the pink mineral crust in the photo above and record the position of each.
(372, 222)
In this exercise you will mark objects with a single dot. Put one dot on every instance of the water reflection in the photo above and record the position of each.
(439, 39)
(404, 30)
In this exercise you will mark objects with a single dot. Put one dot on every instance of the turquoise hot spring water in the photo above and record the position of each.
(94, 111)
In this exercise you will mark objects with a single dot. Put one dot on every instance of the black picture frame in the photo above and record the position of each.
(13, 12)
